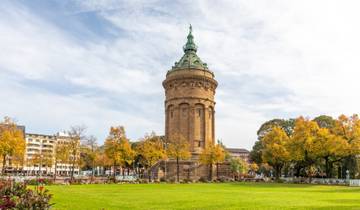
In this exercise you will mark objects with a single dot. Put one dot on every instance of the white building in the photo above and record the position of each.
(40, 155)
(239, 153)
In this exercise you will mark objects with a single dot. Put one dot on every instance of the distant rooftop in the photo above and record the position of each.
(237, 150)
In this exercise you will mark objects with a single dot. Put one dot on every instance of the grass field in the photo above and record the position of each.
(204, 196)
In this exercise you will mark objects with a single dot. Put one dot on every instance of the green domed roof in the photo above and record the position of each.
(190, 59)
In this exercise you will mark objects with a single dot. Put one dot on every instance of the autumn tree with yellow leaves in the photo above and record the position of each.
(330, 148)
(118, 148)
(102, 160)
(348, 128)
(179, 149)
(76, 135)
(275, 149)
(151, 150)
(12, 142)
(301, 143)
(212, 154)
(312, 147)
(61, 155)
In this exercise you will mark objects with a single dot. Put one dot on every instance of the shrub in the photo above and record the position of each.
(279, 181)
(110, 179)
(223, 179)
(40, 181)
(203, 179)
(172, 180)
(75, 181)
(188, 181)
(144, 181)
(18, 196)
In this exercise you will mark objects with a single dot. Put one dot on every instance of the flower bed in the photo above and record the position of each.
(18, 196)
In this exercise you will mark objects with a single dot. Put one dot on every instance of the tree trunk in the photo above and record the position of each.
(114, 172)
(278, 171)
(328, 167)
(217, 170)
(210, 172)
(92, 171)
(177, 169)
(72, 170)
(55, 170)
(40, 167)
(149, 174)
(298, 168)
(3, 165)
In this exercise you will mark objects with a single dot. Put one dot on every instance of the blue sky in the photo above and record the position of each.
(101, 63)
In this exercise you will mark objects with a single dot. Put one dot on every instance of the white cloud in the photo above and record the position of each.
(271, 58)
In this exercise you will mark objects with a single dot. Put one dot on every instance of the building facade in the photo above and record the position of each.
(40, 155)
(239, 153)
(189, 99)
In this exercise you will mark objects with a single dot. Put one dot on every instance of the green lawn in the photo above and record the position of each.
(204, 196)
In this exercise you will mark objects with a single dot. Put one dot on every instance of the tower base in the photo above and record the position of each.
(190, 170)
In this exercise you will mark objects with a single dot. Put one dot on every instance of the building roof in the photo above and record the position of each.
(237, 150)
(42, 135)
(190, 58)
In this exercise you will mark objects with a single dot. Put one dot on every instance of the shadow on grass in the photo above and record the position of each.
(345, 201)
(337, 189)
(272, 185)
(329, 207)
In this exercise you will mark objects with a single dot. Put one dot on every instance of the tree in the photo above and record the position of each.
(329, 147)
(238, 166)
(325, 121)
(348, 128)
(178, 149)
(151, 149)
(12, 142)
(212, 154)
(101, 159)
(302, 143)
(253, 168)
(61, 155)
(315, 144)
(36, 159)
(76, 134)
(265, 169)
(90, 148)
(118, 148)
(275, 151)
(286, 125)
(47, 160)
(256, 152)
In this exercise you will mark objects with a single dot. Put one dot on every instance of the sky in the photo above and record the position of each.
(101, 63)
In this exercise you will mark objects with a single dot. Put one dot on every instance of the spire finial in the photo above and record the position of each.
(190, 45)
